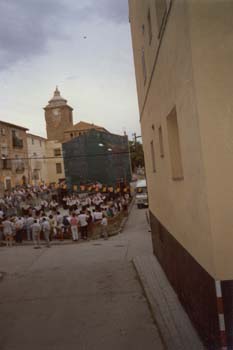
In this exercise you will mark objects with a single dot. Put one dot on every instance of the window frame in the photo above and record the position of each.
(59, 171)
(153, 160)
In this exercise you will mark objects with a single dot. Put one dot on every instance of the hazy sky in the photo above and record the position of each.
(43, 45)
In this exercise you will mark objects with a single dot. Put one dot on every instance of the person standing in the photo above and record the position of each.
(52, 223)
(45, 226)
(29, 222)
(36, 229)
(59, 220)
(104, 224)
(74, 227)
(8, 231)
(83, 221)
(19, 225)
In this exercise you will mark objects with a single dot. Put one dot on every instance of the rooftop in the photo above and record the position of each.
(13, 125)
(83, 126)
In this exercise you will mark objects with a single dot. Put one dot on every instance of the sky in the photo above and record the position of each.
(82, 46)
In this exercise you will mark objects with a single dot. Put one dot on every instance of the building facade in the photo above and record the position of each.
(37, 159)
(14, 156)
(54, 162)
(183, 54)
(97, 156)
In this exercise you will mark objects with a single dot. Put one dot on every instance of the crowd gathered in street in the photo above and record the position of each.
(40, 212)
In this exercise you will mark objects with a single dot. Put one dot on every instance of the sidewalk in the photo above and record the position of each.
(172, 321)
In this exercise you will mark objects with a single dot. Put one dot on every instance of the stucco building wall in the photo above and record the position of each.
(183, 73)
(54, 157)
(37, 159)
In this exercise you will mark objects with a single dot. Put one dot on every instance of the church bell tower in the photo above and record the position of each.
(58, 117)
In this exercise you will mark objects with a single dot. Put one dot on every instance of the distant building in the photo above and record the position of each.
(183, 56)
(55, 162)
(37, 153)
(13, 156)
(99, 156)
(81, 128)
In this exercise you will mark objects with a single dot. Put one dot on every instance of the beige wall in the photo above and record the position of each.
(52, 160)
(190, 70)
(212, 49)
(17, 155)
(37, 159)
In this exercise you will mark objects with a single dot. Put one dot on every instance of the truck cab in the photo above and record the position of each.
(141, 194)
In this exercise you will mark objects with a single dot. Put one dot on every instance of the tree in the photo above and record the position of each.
(137, 154)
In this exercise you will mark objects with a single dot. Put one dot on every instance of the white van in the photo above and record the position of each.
(141, 194)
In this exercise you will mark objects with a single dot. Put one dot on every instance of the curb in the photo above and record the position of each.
(173, 323)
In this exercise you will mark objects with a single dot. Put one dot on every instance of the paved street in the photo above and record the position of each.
(84, 296)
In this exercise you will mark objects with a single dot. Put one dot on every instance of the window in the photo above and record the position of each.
(161, 142)
(5, 164)
(40, 143)
(58, 168)
(149, 26)
(17, 142)
(57, 152)
(161, 11)
(144, 66)
(153, 156)
(19, 164)
(174, 146)
(2, 132)
(33, 141)
(4, 151)
(143, 29)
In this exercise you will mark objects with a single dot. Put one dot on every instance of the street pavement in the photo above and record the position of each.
(81, 296)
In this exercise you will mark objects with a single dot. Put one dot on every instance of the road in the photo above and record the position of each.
(85, 296)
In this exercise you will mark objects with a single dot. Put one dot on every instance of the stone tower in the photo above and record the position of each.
(58, 117)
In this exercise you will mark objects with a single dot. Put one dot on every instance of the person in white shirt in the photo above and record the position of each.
(36, 229)
(98, 215)
(45, 226)
(104, 224)
(8, 231)
(59, 219)
(29, 222)
(83, 221)
(19, 225)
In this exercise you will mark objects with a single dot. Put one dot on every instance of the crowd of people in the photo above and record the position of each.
(37, 213)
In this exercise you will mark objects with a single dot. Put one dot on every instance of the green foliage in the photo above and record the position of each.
(136, 154)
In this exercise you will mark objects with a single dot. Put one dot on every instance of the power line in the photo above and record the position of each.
(69, 157)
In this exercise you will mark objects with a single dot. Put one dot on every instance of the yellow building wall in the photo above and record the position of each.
(211, 29)
(52, 175)
(181, 205)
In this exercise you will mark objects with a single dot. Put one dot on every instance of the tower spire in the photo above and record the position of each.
(56, 92)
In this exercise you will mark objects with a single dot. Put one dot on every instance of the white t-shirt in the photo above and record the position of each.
(83, 220)
(7, 227)
(104, 221)
(98, 215)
